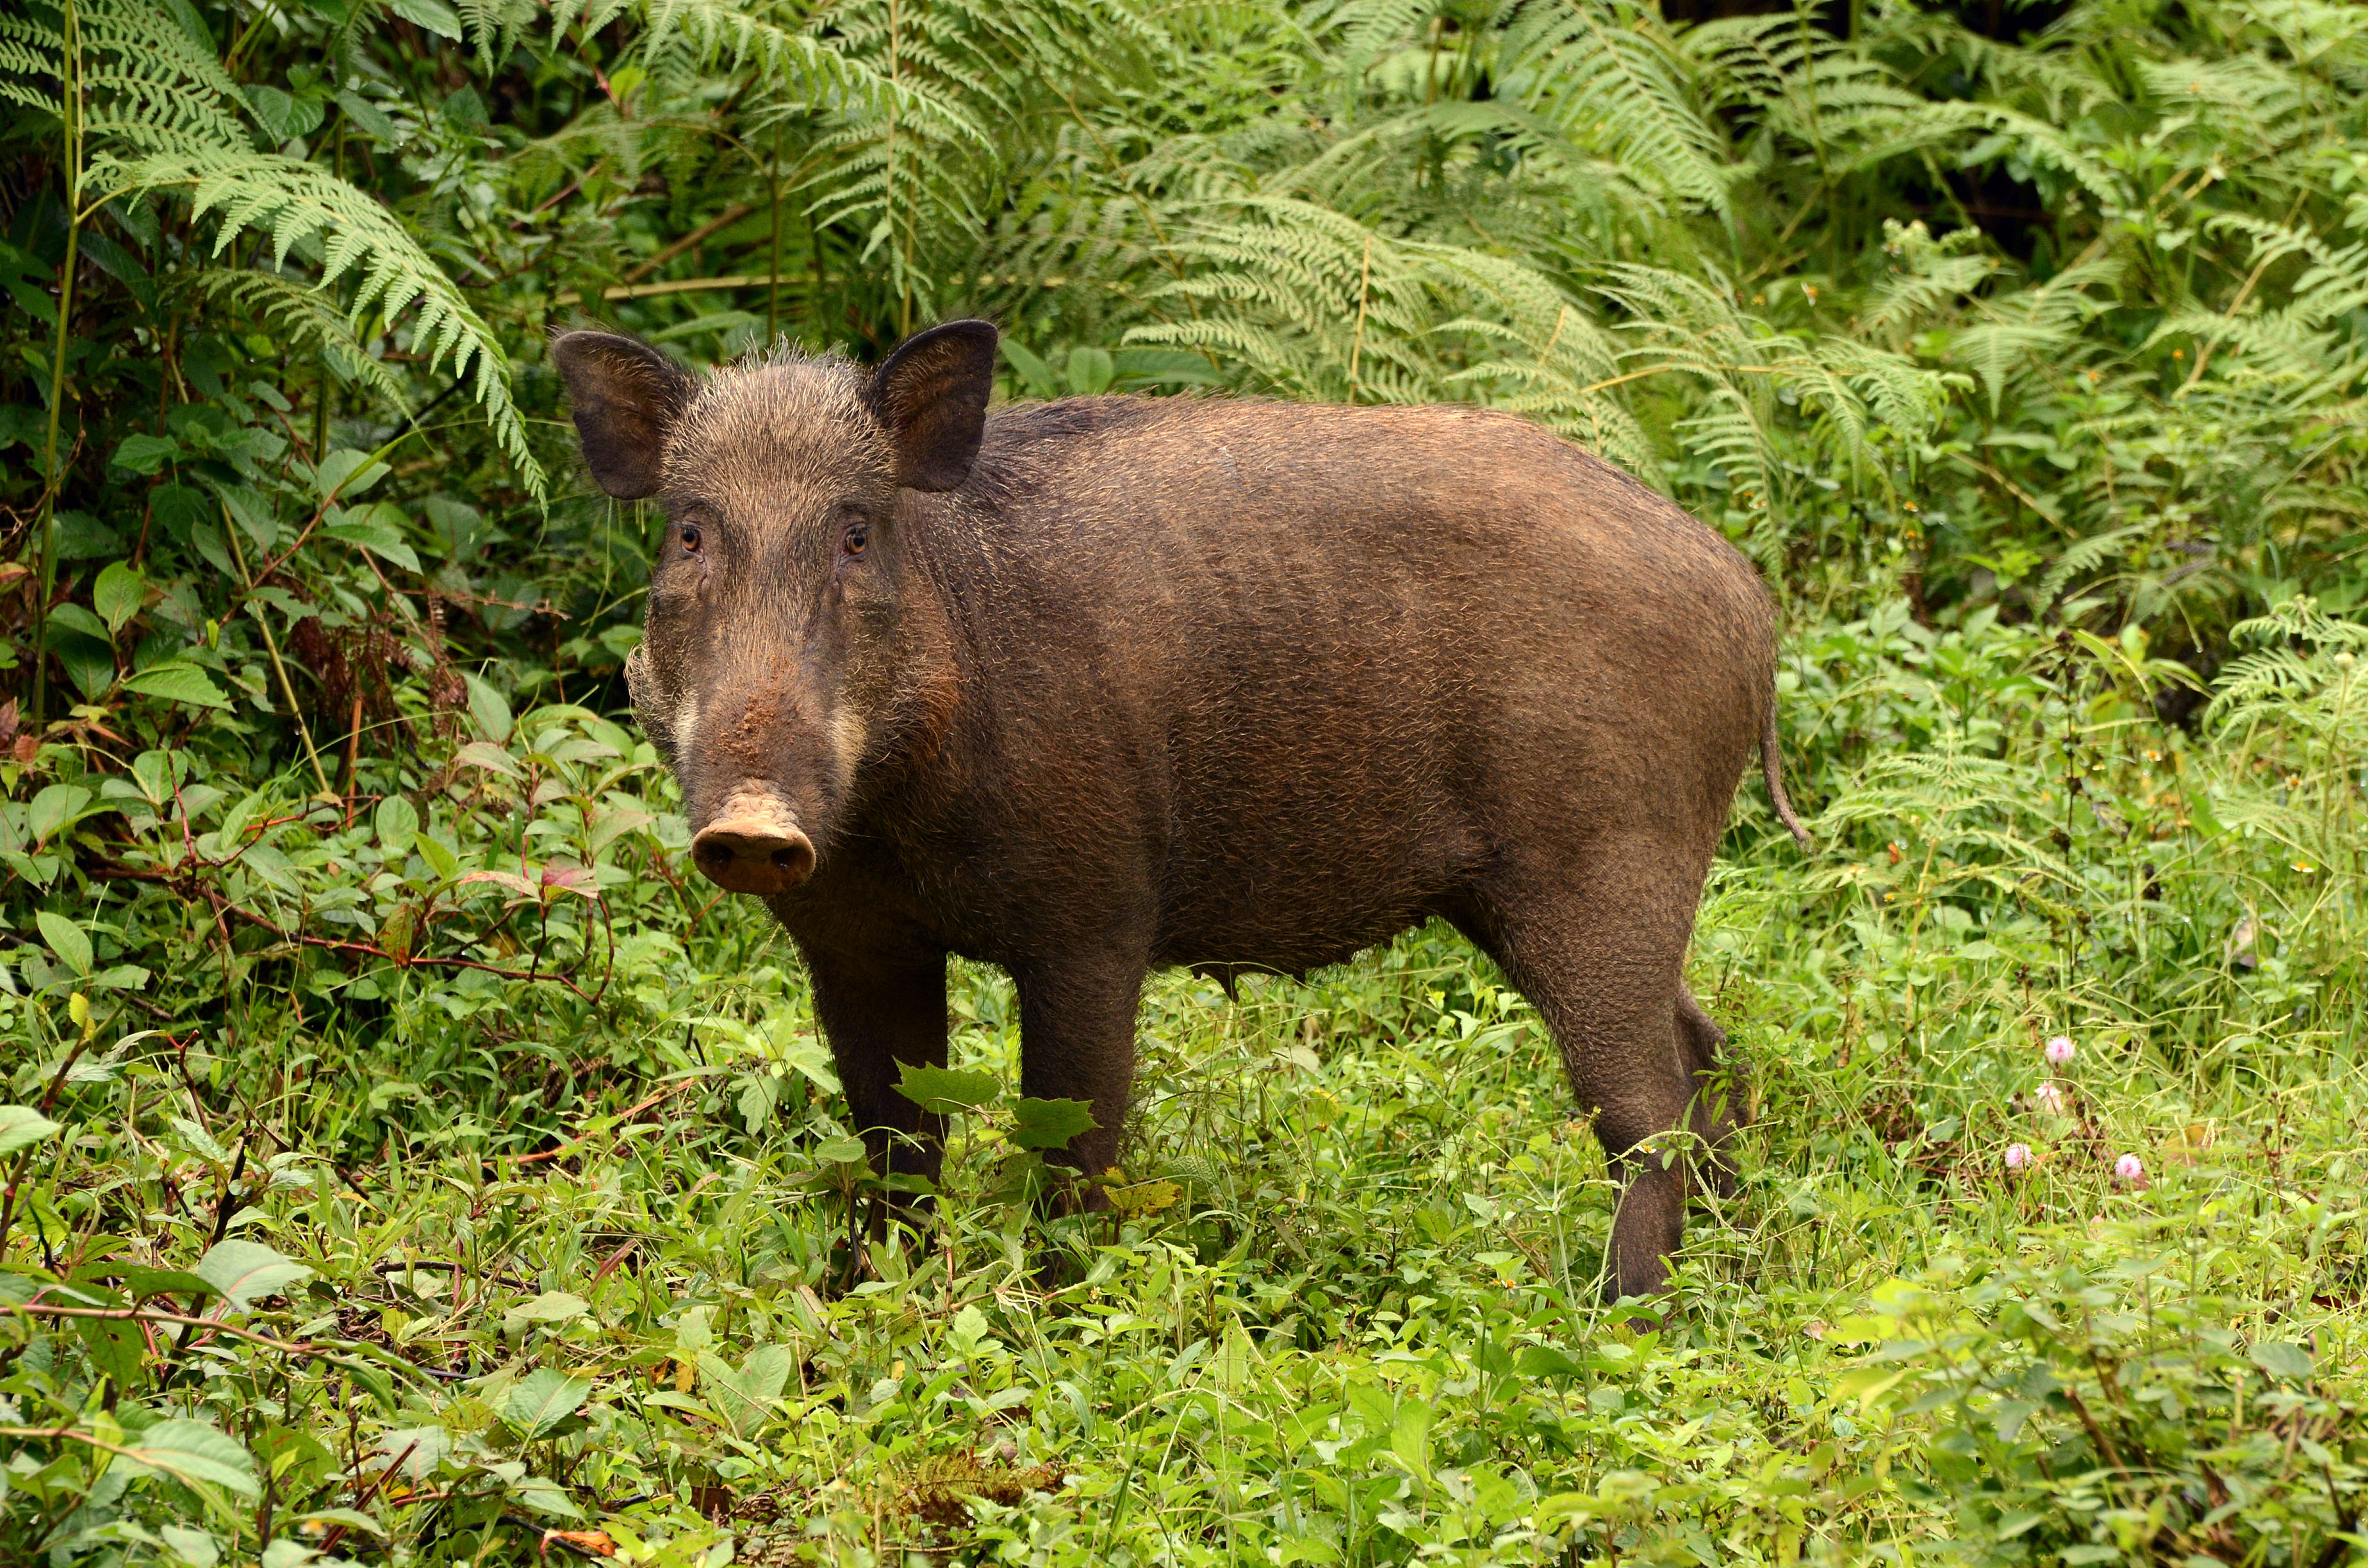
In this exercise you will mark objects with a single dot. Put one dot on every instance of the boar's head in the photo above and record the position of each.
(784, 607)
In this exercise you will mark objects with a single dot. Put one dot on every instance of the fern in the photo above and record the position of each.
(293, 201)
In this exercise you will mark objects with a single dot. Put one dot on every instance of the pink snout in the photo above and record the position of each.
(754, 846)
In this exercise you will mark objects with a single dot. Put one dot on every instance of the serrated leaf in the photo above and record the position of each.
(145, 454)
(542, 1399)
(246, 1272)
(21, 1127)
(1050, 1124)
(177, 683)
(68, 940)
(195, 1454)
(945, 1090)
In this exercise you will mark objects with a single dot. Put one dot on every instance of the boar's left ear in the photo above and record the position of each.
(932, 393)
(626, 395)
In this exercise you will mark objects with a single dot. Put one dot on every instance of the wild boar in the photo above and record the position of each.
(1083, 687)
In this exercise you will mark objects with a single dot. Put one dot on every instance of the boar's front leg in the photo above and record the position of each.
(878, 1010)
(1077, 1042)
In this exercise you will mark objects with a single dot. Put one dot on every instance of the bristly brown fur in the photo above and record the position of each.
(1221, 683)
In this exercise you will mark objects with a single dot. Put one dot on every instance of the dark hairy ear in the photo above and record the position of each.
(932, 393)
(626, 395)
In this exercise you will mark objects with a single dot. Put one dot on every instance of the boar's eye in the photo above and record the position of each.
(690, 537)
(858, 535)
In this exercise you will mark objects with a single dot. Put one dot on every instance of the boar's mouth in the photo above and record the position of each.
(754, 845)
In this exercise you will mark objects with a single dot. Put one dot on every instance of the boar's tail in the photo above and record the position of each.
(1771, 768)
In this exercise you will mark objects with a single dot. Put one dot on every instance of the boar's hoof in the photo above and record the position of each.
(749, 854)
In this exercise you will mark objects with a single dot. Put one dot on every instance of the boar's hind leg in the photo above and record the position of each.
(877, 1013)
(1076, 1042)
(1600, 956)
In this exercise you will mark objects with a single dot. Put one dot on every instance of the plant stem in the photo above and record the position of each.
(271, 647)
(69, 118)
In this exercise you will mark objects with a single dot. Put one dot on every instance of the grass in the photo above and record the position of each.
(491, 1269)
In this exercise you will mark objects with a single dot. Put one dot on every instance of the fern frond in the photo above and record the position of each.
(293, 201)
(304, 315)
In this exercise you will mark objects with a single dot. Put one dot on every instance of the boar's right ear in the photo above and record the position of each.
(626, 395)
(932, 393)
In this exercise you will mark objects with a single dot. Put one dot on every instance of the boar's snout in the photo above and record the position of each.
(754, 846)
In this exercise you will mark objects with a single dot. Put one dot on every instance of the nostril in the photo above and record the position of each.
(784, 860)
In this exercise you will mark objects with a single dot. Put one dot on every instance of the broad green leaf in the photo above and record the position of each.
(1050, 1124)
(378, 529)
(1410, 1437)
(433, 15)
(542, 1399)
(193, 1547)
(490, 709)
(345, 474)
(118, 594)
(840, 1152)
(743, 1394)
(438, 856)
(21, 1127)
(145, 454)
(397, 822)
(2282, 1358)
(946, 1090)
(1033, 371)
(68, 940)
(195, 1454)
(177, 683)
(58, 806)
(367, 117)
(550, 1307)
(246, 1272)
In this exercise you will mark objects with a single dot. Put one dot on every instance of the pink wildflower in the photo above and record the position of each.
(2017, 1156)
(2059, 1049)
(2130, 1168)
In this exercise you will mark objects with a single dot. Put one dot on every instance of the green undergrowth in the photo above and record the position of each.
(412, 1258)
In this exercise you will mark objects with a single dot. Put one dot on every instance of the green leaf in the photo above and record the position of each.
(841, 1151)
(368, 118)
(2282, 1358)
(551, 1306)
(246, 1272)
(1410, 1437)
(21, 1127)
(194, 1454)
(119, 594)
(1034, 371)
(180, 683)
(433, 15)
(743, 1395)
(438, 856)
(543, 1399)
(1546, 1361)
(68, 940)
(379, 530)
(1050, 1124)
(145, 454)
(56, 807)
(345, 473)
(73, 617)
(490, 709)
(945, 1090)
(397, 822)
(1090, 370)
